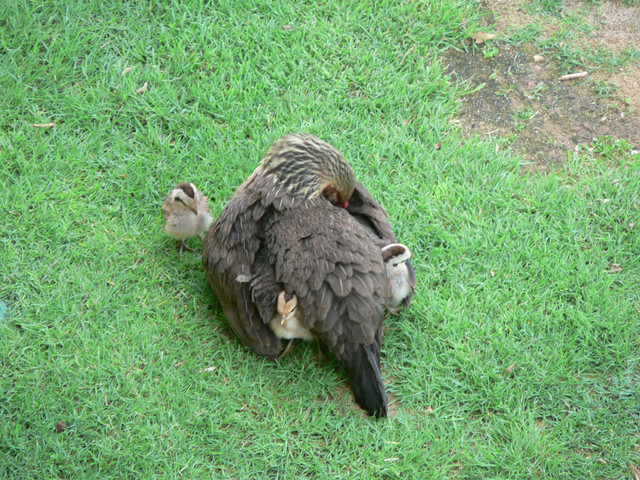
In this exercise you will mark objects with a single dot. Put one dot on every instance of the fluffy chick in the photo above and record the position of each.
(400, 275)
(286, 324)
(186, 211)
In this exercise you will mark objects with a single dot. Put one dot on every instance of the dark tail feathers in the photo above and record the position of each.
(363, 368)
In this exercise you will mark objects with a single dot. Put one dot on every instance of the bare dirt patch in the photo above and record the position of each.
(523, 101)
(617, 25)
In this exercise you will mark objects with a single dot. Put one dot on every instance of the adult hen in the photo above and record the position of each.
(284, 230)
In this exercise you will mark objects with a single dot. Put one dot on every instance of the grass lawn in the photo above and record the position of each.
(519, 358)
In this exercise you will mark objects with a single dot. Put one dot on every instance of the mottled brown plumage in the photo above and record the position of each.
(283, 230)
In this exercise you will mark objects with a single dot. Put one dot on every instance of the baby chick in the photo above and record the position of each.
(186, 212)
(400, 275)
(286, 324)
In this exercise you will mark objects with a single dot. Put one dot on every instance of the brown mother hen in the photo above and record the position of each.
(287, 228)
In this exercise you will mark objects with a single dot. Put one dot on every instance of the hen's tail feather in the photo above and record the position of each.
(363, 368)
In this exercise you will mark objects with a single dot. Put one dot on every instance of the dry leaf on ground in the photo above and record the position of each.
(510, 368)
(481, 37)
(208, 369)
(143, 88)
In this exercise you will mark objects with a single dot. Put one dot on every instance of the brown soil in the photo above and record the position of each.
(525, 103)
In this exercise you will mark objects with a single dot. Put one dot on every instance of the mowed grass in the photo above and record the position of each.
(520, 355)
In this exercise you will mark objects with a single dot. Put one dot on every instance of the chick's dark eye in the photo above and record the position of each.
(178, 199)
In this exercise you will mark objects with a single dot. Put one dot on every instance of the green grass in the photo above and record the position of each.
(104, 328)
